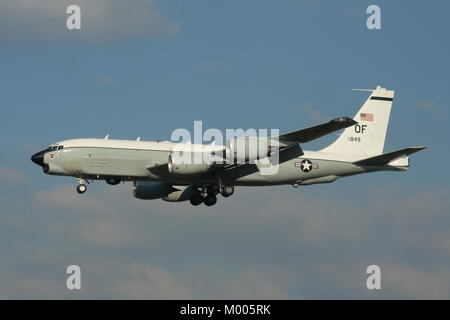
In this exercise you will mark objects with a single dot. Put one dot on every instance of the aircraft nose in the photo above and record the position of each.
(38, 158)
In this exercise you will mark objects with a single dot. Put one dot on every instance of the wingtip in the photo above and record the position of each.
(345, 120)
(353, 122)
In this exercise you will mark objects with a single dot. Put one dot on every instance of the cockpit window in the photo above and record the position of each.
(55, 147)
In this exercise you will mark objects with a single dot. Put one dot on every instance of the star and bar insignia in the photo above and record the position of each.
(306, 165)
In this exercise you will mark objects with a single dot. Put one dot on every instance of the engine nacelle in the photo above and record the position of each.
(187, 165)
(183, 193)
(245, 149)
(148, 190)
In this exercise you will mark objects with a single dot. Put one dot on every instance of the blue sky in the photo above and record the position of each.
(145, 68)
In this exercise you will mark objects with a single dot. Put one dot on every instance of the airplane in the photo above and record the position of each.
(151, 167)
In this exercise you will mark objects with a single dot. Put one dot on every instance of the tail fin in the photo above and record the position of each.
(366, 138)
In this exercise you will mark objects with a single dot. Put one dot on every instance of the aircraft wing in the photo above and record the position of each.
(385, 158)
(285, 154)
(311, 133)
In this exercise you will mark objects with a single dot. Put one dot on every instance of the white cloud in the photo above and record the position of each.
(65, 197)
(266, 243)
(11, 221)
(206, 67)
(306, 110)
(143, 281)
(431, 107)
(11, 176)
(411, 282)
(254, 282)
(100, 19)
(313, 114)
(111, 232)
(104, 80)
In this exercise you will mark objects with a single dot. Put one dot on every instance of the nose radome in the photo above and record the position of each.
(38, 158)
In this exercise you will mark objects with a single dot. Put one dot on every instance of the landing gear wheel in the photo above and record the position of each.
(210, 200)
(196, 199)
(212, 189)
(227, 191)
(81, 188)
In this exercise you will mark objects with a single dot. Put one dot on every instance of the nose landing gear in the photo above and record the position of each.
(81, 188)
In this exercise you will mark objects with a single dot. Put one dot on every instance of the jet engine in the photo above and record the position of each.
(245, 149)
(183, 193)
(148, 190)
(189, 165)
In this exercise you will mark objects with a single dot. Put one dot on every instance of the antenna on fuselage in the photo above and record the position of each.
(106, 137)
(138, 139)
(369, 90)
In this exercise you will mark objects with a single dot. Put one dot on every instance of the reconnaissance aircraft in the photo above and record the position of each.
(155, 173)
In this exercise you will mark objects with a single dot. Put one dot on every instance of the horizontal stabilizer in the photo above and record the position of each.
(308, 134)
(386, 158)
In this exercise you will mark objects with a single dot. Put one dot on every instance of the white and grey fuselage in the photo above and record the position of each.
(130, 160)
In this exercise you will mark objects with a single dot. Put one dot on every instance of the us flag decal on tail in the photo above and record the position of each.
(366, 116)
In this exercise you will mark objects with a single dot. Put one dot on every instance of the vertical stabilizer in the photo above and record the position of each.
(366, 138)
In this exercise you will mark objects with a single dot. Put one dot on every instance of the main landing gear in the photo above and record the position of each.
(210, 200)
(196, 199)
(227, 191)
(208, 194)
